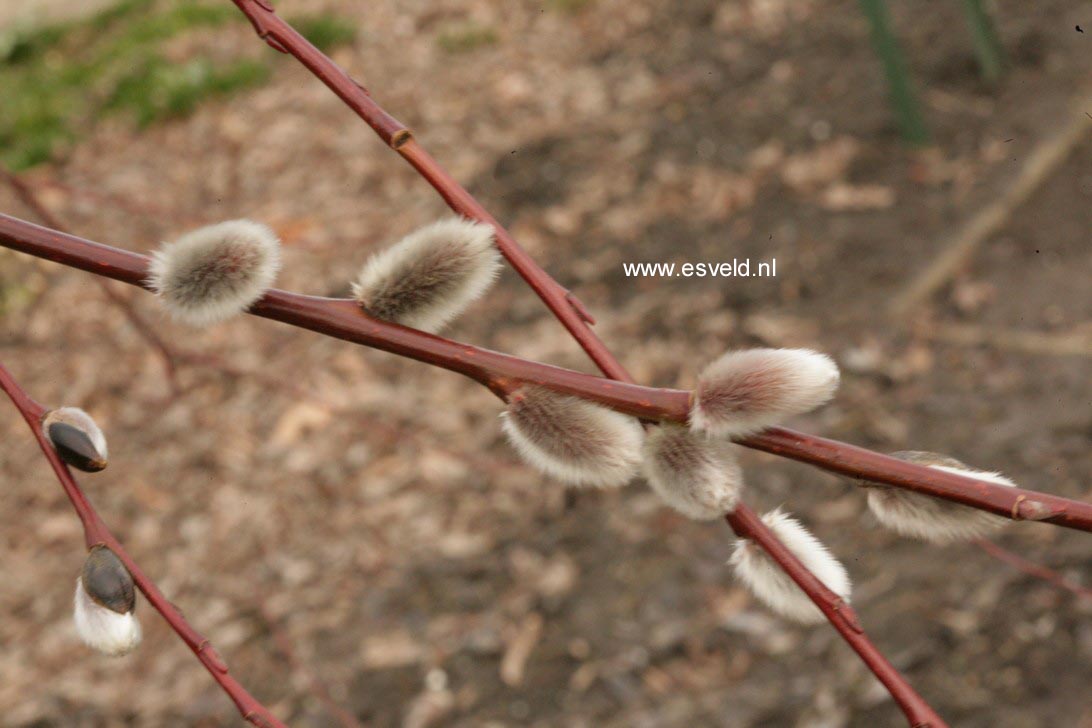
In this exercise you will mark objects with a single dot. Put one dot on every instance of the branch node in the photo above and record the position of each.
(1031, 510)
(272, 42)
(848, 615)
(400, 137)
(254, 717)
(213, 656)
(1016, 507)
(578, 306)
(260, 23)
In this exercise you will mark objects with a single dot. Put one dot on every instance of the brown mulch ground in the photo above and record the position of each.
(380, 517)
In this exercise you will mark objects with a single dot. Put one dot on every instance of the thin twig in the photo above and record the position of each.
(318, 688)
(96, 533)
(171, 357)
(167, 355)
(1033, 569)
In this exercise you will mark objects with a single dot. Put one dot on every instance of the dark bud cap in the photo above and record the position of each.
(107, 581)
(76, 438)
(75, 447)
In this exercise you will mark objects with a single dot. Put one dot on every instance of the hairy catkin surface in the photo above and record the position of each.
(771, 585)
(429, 277)
(936, 520)
(745, 391)
(215, 272)
(693, 473)
(571, 439)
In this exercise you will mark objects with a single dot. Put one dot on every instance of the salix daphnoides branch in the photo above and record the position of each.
(737, 396)
(104, 604)
(504, 374)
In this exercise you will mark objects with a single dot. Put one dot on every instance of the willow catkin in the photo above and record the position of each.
(430, 276)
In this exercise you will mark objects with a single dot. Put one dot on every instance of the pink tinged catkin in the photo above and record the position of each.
(573, 440)
(746, 391)
(104, 604)
(76, 438)
(774, 587)
(215, 272)
(430, 276)
(696, 475)
(933, 519)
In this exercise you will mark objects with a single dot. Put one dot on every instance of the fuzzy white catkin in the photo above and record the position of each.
(920, 516)
(571, 439)
(774, 587)
(79, 419)
(745, 391)
(102, 629)
(430, 276)
(693, 473)
(215, 272)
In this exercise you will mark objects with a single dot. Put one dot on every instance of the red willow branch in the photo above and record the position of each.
(503, 373)
(170, 356)
(96, 533)
(344, 319)
(748, 525)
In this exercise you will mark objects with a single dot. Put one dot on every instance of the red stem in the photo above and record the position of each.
(318, 688)
(33, 412)
(344, 319)
(96, 533)
(918, 713)
(1018, 504)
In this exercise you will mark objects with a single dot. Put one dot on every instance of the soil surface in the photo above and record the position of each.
(366, 509)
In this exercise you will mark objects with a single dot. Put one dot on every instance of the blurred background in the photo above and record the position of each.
(328, 513)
